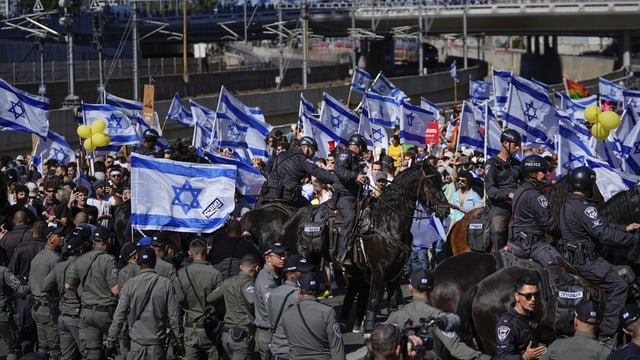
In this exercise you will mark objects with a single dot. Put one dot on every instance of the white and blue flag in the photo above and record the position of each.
(133, 110)
(22, 111)
(469, 132)
(52, 147)
(203, 131)
(610, 90)
(314, 128)
(180, 196)
(428, 105)
(492, 132)
(501, 88)
(179, 113)
(414, 123)
(249, 180)
(631, 150)
(360, 80)
(338, 121)
(631, 114)
(453, 71)
(383, 110)
(480, 90)
(382, 86)
(120, 127)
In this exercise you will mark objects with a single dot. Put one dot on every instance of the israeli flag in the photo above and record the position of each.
(120, 127)
(383, 110)
(315, 129)
(501, 88)
(338, 120)
(179, 196)
(133, 110)
(22, 111)
(179, 113)
(375, 133)
(431, 107)
(610, 90)
(52, 147)
(413, 126)
(453, 71)
(631, 150)
(360, 80)
(249, 180)
(382, 86)
(492, 133)
(479, 90)
(469, 133)
(608, 180)
(203, 131)
(631, 114)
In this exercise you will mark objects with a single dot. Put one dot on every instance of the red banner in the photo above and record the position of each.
(432, 136)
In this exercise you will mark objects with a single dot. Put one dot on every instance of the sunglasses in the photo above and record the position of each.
(464, 181)
(528, 296)
(50, 191)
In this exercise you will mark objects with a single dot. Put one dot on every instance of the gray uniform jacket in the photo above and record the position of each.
(419, 308)
(127, 272)
(147, 322)
(281, 299)
(192, 294)
(582, 346)
(266, 281)
(165, 268)
(41, 267)
(69, 303)
(239, 294)
(327, 343)
(101, 276)
(11, 281)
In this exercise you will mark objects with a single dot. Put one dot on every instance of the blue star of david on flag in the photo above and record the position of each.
(636, 147)
(336, 122)
(17, 110)
(410, 118)
(530, 111)
(178, 192)
(234, 132)
(60, 155)
(115, 122)
(568, 165)
(378, 136)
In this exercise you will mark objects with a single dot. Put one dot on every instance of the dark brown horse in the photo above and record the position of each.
(387, 243)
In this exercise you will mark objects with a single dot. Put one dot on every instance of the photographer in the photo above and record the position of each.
(418, 309)
(385, 344)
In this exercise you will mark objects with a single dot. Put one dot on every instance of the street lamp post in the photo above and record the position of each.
(67, 20)
(464, 32)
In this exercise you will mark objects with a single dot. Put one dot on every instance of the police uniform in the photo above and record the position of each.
(94, 274)
(581, 345)
(581, 227)
(165, 268)
(531, 220)
(266, 281)
(41, 266)
(69, 307)
(631, 351)
(144, 150)
(287, 172)
(7, 328)
(149, 305)
(346, 191)
(501, 178)
(513, 333)
(281, 299)
(127, 272)
(239, 294)
(193, 283)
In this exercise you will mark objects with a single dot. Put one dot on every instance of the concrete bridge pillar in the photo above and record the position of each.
(625, 48)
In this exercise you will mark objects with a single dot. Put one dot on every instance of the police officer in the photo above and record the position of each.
(163, 267)
(150, 137)
(41, 266)
(502, 173)
(268, 279)
(311, 326)
(516, 329)
(69, 303)
(193, 283)
(583, 344)
(420, 283)
(582, 228)
(8, 329)
(531, 215)
(348, 186)
(239, 294)
(631, 326)
(95, 276)
(282, 298)
(150, 308)
(287, 171)
(127, 263)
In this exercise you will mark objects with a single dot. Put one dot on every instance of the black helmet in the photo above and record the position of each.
(533, 163)
(582, 179)
(511, 136)
(358, 140)
(150, 135)
(306, 140)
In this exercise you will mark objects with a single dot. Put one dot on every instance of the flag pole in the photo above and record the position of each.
(349, 97)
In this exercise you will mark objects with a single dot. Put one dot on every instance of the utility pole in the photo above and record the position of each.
(305, 43)
(136, 79)
(71, 99)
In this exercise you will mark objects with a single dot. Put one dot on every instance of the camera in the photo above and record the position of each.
(420, 330)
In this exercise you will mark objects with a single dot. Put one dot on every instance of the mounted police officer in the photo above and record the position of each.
(582, 228)
(531, 215)
(501, 181)
(150, 137)
(347, 188)
(287, 171)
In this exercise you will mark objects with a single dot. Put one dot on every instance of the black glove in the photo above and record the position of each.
(111, 350)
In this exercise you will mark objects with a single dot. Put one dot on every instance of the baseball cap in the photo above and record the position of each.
(161, 239)
(587, 312)
(97, 184)
(53, 227)
(308, 282)
(102, 234)
(33, 189)
(448, 155)
(20, 158)
(74, 243)
(128, 250)
(630, 314)
(421, 280)
(276, 248)
(84, 232)
(146, 256)
(297, 262)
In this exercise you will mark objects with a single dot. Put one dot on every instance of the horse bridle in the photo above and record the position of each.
(428, 194)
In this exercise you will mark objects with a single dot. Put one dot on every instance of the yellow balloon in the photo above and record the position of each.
(100, 139)
(98, 126)
(609, 119)
(88, 145)
(84, 131)
(591, 113)
(599, 132)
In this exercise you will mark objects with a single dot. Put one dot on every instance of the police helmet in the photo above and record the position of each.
(306, 140)
(582, 179)
(533, 163)
(358, 140)
(150, 135)
(511, 136)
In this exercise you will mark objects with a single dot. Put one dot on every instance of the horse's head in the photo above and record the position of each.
(430, 191)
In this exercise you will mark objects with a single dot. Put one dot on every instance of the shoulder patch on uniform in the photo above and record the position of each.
(486, 168)
(542, 200)
(114, 273)
(503, 332)
(250, 289)
(343, 156)
(336, 330)
(591, 212)
(449, 334)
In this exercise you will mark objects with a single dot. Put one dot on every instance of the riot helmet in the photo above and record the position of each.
(150, 135)
(533, 163)
(582, 179)
(306, 140)
(511, 136)
(358, 140)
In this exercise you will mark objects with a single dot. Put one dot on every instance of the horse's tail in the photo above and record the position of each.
(464, 310)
